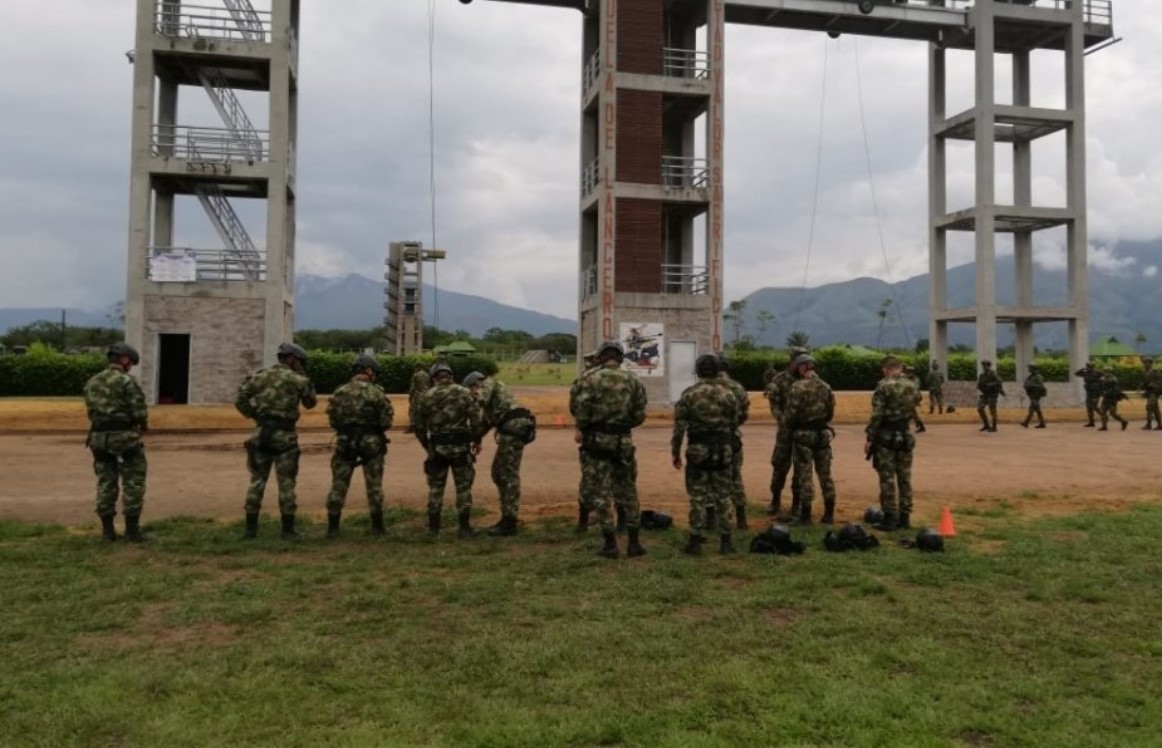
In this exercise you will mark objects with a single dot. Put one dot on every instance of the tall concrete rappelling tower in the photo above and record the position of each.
(404, 322)
(201, 317)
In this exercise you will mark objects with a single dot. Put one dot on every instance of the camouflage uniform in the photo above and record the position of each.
(990, 386)
(810, 408)
(1035, 389)
(1111, 393)
(1093, 387)
(1152, 388)
(585, 491)
(892, 446)
(271, 397)
(515, 427)
(448, 424)
(777, 393)
(737, 489)
(117, 418)
(935, 389)
(914, 378)
(421, 383)
(360, 414)
(611, 402)
(707, 415)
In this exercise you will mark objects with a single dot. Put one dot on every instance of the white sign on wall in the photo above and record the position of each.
(644, 343)
(173, 266)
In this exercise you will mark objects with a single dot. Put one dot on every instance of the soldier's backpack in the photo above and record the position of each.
(776, 539)
(651, 520)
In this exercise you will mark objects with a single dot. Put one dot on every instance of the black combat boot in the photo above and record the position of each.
(288, 527)
(506, 527)
(725, 547)
(1040, 422)
(333, 524)
(905, 522)
(251, 526)
(582, 520)
(377, 527)
(693, 545)
(920, 427)
(739, 518)
(1025, 423)
(635, 547)
(776, 506)
(1125, 424)
(466, 530)
(1149, 425)
(804, 515)
(985, 427)
(888, 523)
(433, 523)
(795, 507)
(1103, 428)
(828, 517)
(609, 550)
(108, 529)
(133, 529)
(620, 518)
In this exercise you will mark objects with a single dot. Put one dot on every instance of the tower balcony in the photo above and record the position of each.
(685, 172)
(191, 265)
(209, 144)
(178, 20)
(691, 64)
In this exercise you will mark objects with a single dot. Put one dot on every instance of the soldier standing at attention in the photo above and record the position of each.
(1093, 386)
(707, 416)
(448, 428)
(810, 408)
(421, 383)
(936, 389)
(585, 491)
(737, 489)
(1035, 389)
(271, 398)
(781, 457)
(361, 415)
(515, 428)
(117, 419)
(611, 402)
(890, 446)
(1152, 388)
(990, 386)
(910, 373)
(1111, 393)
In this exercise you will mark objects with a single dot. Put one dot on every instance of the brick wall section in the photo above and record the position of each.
(640, 36)
(637, 264)
(639, 136)
(225, 342)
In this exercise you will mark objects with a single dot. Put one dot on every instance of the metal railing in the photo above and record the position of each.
(208, 144)
(685, 171)
(173, 19)
(230, 229)
(685, 63)
(591, 71)
(589, 282)
(590, 177)
(188, 265)
(229, 107)
(1097, 12)
(686, 279)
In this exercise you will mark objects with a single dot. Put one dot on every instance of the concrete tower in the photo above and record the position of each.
(404, 321)
(203, 318)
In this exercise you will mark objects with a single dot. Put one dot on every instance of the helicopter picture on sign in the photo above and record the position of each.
(643, 348)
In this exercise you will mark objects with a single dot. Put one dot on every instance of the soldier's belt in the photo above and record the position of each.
(710, 438)
(112, 424)
(894, 426)
(276, 424)
(813, 426)
(449, 438)
(612, 429)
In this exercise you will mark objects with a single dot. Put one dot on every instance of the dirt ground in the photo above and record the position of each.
(47, 473)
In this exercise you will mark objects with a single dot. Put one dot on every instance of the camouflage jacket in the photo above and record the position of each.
(575, 389)
(811, 404)
(708, 412)
(360, 404)
(1092, 378)
(740, 396)
(275, 394)
(421, 383)
(113, 398)
(769, 373)
(935, 381)
(499, 410)
(778, 391)
(989, 383)
(893, 403)
(1152, 382)
(1109, 388)
(610, 397)
(448, 413)
(1035, 386)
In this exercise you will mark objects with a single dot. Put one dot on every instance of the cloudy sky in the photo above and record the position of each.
(507, 86)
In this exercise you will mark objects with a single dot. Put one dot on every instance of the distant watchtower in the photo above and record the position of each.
(201, 317)
(404, 321)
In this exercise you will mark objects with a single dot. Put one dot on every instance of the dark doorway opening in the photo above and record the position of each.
(173, 369)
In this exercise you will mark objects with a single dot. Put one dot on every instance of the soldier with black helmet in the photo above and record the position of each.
(1035, 389)
(737, 489)
(361, 414)
(118, 417)
(777, 392)
(448, 427)
(271, 397)
(990, 386)
(1152, 388)
(516, 428)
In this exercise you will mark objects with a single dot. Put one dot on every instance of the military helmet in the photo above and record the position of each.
(935, 365)
(706, 365)
(438, 369)
(611, 345)
(986, 363)
(1107, 370)
(797, 350)
(890, 362)
(1147, 360)
(929, 540)
(474, 377)
(803, 358)
(873, 515)
(363, 361)
(117, 350)
(290, 350)
(723, 363)
(1033, 367)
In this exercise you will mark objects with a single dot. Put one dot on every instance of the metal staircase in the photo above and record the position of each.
(231, 111)
(239, 245)
(249, 22)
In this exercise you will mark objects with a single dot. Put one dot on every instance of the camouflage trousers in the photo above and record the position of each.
(737, 489)
(812, 456)
(613, 483)
(119, 463)
(1034, 411)
(1109, 409)
(781, 460)
(1152, 412)
(506, 473)
(935, 400)
(586, 491)
(709, 489)
(280, 451)
(1092, 400)
(893, 463)
(463, 468)
(349, 454)
(988, 402)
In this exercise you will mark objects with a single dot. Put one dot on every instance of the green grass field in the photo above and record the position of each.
(524, 375)
(1021, 635)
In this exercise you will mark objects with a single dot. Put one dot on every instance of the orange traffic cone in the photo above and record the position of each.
(947, 529)
(559, 422)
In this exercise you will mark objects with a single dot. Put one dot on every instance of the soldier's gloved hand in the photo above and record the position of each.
(677, 463)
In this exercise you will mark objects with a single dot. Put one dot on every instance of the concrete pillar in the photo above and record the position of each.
(1023, 240)
(716, 118)
(937, 207)
(605, 322)
(140, 188)
(985, 210)
(279, 200)
(1077, 233)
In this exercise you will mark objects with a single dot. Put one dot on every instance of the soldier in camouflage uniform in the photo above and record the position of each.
(889, 445)
(448, 428)
(585, 502)
(421, 383)
(914, 378)
(1093, 387)
(990, 386)
(117, 419)
(1111, 393)
(1152, 388)
(611, 402)
(737, 489)
(271, 398)
(515, 427)
(1035, 389)
(781, 457)
(810, 408)
(936, 389)
(361, 415)
(707, 415)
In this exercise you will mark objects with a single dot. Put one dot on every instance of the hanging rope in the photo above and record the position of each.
(875, 202)
(432, 151)
(815, 199)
